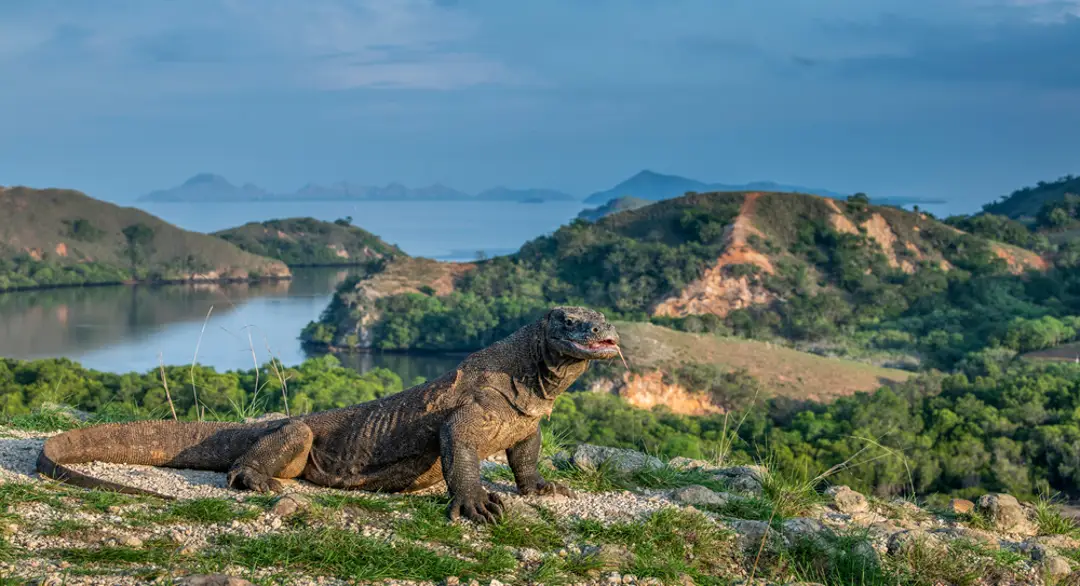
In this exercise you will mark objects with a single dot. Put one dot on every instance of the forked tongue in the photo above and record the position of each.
(625, 365)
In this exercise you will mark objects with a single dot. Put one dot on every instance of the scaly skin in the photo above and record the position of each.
(439, 430)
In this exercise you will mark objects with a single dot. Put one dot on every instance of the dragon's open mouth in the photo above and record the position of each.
(605, 344)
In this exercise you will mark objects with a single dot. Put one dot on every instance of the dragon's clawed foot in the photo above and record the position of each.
(478, 505)
(251, 479)
(544, 488)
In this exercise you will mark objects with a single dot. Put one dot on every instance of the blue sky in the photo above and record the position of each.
(961, 99)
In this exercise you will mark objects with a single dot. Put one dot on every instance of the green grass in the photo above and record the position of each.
(155, 552)
(43, 420)
(668, 544)
(66, 527)
(1051, 521)
(515, 530)
(206, 510)
(428, 522)
(15, 493)
(341, 501)
(845, 559)
(337, 552)
(749, 508)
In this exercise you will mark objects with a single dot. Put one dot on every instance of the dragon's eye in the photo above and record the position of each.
(569, 321)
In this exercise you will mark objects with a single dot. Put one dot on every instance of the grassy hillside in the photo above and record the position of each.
(1026, 202)
(781, 372)
(51, 237)
(310, 242)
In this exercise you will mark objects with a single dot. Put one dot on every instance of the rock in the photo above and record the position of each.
(698, 495)
(744, 479)
(289, 505)
(1055, 567)
(903, 541)
(213, 580)
(960, 506)
(129, 541)
(1005, 514)
(802, 528)
(847, 501)
(590, 457)
(613, 556)
(750, 535)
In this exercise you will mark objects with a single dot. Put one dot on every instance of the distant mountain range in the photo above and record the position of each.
(207, 187)
(646, 185)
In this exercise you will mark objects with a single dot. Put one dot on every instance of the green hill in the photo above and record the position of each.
(310, 242)
(836, 278)
(55, 237)
(1026, 202)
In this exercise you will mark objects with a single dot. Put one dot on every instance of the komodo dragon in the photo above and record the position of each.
(408, 441)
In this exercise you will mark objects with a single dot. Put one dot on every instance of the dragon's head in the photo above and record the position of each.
(581, 333)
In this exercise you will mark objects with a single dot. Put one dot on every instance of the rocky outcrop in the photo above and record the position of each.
(648, 390)
(718, 291)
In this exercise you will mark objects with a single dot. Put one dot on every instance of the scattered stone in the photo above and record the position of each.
(1058, 542)
(698, 495)
(960, 506)
(213, 580)
(130, 541)
(1055, 567)
(985, 538)
(590, 457)
(684, 463)
(847, 501)
(289, 505)
(1005, 514)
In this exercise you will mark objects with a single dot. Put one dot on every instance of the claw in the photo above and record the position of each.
(481, 507)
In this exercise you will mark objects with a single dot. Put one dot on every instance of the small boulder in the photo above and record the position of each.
(289, 505)
(213, 580)
(590, 457)
(802, 529)
(743, 479)
(1055, 567)
(696, 494)
(751, 534)
(847, 501)
(960, 506)
(1005, 514)
(903, 541)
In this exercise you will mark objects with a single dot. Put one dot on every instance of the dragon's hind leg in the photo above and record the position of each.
(282, 453)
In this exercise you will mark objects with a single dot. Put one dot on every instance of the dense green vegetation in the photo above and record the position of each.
(310, 242)
(57, 237)
(318, 383)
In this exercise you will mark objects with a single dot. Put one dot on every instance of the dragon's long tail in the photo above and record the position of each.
(194, 445)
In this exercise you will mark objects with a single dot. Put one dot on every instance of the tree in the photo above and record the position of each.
(140, 242)
(346, 221)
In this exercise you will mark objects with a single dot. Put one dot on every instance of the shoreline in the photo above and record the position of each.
(154, 283)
